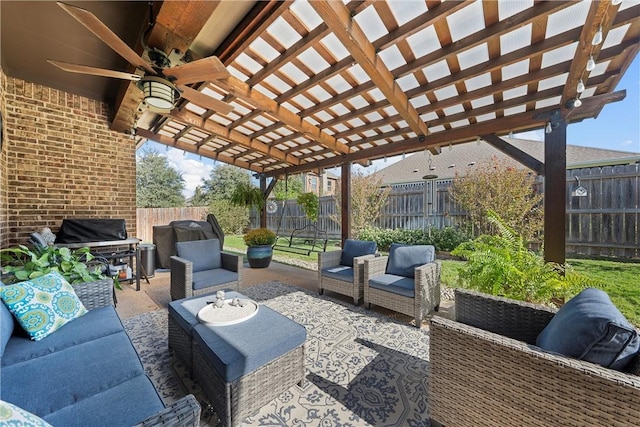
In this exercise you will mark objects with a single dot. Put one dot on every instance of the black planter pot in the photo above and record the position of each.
(259, 256)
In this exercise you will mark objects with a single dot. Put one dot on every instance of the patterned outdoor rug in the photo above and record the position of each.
(363, 368)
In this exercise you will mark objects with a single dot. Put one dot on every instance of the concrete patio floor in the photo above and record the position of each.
(155, 294)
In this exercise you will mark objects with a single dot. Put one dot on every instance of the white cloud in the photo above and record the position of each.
(193, 171)
(532, 135)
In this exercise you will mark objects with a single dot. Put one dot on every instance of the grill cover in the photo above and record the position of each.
(91, 230)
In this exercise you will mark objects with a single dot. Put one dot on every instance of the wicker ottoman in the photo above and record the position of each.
(240, 367)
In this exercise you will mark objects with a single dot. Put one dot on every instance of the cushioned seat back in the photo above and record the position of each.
(355, 248)
(403, 259)
(204, 254)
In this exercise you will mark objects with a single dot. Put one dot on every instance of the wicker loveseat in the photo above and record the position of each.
(485, 370)
(87, 373)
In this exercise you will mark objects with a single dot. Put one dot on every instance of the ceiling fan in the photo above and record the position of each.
(162, 84)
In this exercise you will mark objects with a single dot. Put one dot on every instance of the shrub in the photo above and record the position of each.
(232, 219)
(259, 236)
(445, 239)
(502, 265)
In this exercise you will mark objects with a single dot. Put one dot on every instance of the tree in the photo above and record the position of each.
(158, 184)
(367, 200)
(223, 180)
(289, 189)
(199, 197)
(504, 189)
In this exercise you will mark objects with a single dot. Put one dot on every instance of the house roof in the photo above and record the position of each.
(462, 158)
(315, 84)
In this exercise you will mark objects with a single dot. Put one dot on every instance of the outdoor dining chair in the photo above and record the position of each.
(406, 281)
(341, 271)
(200, 268)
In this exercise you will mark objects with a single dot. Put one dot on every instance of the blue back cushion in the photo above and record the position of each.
(403, 259)
(589, 327)
(6, 326)
(354, 248)
(204, 254)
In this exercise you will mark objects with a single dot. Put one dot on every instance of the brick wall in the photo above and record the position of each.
(4, 229)
(62, 161)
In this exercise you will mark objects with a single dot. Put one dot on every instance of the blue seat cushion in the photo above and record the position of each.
(51, 382)
(207, 278)
(397, 284)
(237, 350)
(123, 405)
(403, 259)
(589, 327)
(340, 272)
(185, 311)
(6, 326)
(204, 254)
(355, 248)
(97, 323)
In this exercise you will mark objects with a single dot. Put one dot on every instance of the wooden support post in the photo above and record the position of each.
(555, 189)
(263, 212)
(346, 201)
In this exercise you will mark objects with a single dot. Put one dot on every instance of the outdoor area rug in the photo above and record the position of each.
(363, 368)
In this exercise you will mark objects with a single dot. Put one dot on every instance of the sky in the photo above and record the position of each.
(616, 128)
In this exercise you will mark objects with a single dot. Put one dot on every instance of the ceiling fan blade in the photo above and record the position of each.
(93, 24)
(83, 69)
(202, 70)
(204, 100)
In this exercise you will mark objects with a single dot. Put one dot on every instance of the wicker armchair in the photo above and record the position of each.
(485, 370)
(183, 412)
(335, 274)
(416, 301)
(188, 279)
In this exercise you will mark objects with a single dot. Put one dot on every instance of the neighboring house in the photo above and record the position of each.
(462, 158)
(323, 185)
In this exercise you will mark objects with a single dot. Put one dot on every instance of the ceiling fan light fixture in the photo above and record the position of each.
(159, 93)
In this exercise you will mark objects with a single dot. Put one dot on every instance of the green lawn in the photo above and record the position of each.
(621, 280)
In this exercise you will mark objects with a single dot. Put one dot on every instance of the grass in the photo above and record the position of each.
(619, 279)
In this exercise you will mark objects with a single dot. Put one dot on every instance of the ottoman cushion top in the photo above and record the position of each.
(237, 350)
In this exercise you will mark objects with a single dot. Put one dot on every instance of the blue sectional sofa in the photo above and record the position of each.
(87, 373)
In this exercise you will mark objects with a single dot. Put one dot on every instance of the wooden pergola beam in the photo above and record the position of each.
(515, 153)
(338, 18)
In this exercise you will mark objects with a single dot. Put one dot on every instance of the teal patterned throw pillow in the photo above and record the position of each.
(42, 305)
(12, 415)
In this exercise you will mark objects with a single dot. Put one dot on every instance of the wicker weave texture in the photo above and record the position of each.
(353, 289)
(95, 294)
(182, 277)
(426, 290)
(480, 378)
(182, 413)
(180, 343)
(233, 402)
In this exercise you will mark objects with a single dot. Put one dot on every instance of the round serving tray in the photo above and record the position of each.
(227, 314)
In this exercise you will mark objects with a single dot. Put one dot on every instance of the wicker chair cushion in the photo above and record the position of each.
(208, 278)
(355, 248)
(97, 323)
(340, 272)
(42, 305)
(391, 283)
(237, 350)
(6, 326)
(589, 327)
(204, 254)
(403, 259)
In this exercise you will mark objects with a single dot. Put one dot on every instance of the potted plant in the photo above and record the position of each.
(23, 263)
(259, 243)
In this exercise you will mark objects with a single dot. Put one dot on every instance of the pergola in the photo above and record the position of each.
(323, 84)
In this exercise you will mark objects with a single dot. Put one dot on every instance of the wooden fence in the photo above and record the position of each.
(605, 222)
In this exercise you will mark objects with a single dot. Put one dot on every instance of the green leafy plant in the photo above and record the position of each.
(247, 195)
(310, 205)
(23, 263)
(503, 265)
(445, 239)
(259, 236)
